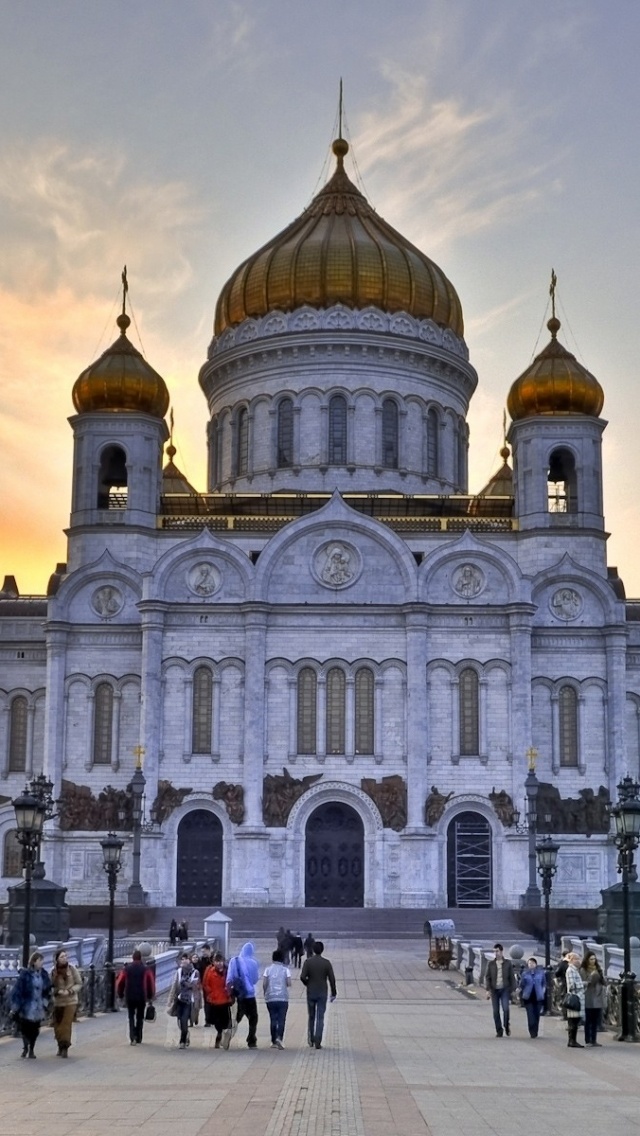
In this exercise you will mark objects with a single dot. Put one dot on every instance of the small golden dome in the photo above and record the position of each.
(121, 379)
(339, 251)
(555, 383)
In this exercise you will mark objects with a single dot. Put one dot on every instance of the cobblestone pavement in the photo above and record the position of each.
(405, 1054)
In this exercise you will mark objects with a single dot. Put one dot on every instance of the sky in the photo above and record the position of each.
(177, 136)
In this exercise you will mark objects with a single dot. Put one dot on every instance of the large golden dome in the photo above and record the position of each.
(339, 251)
(555, 383)
(121, 379)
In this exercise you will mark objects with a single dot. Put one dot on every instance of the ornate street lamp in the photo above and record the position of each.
(531, 897)
(111, 852)
(626, 816)
(547, 851)
(30, 817)
(137, 785)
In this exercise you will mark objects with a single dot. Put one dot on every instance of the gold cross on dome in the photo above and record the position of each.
(531, 756)
(138, 753)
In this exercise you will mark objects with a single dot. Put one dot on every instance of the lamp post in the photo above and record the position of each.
(626, 815)
(111, 852)
(531, 897)
(135, 894)
(30, 816)
(547, 851)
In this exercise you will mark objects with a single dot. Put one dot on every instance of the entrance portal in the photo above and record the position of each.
(469, 874)
(199, 875)
(334, 857)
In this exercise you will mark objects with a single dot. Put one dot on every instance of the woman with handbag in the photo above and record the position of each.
(136, 985)
(29, 1001)
(594, 997)
(574, 1000)
(180, 1000)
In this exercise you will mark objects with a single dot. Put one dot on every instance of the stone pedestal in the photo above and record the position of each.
(49, 913)
(610, 917)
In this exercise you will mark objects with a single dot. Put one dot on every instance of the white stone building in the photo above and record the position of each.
(335, 660)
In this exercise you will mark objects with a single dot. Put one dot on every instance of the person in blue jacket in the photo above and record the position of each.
(533, 991)
(242, 975)
(29, 1001)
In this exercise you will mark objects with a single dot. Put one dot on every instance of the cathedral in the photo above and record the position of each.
(333, 669)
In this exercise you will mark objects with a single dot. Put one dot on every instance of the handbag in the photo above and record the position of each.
(571, 1002)
(150, 1013)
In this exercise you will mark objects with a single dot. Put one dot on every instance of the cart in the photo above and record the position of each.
(440, 950)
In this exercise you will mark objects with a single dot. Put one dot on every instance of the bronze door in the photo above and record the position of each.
(469, 874)
(334, 857)
(199, 876)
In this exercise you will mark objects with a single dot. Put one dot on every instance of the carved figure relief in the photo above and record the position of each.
(390, 795)
(79, 810)
(279, 794)
(503, 807)
(435, 805)
(336, 565)
(468, 581)
(566, 604)
(203, 579)
(107, 601)
(168, 798)
(588, 813)
(233, 799)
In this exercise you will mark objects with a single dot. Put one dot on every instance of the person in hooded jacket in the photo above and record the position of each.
(533, 989)
(242, 975)
(29, 1000)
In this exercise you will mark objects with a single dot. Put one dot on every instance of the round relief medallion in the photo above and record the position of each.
(336, 564)
(203, 579)
(566, 604)
(468, 581)
(107, 601)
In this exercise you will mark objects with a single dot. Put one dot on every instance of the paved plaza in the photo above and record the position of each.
(406, 1054)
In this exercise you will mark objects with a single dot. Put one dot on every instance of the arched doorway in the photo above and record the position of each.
(199, 873)
(469, 861)
(334, 857)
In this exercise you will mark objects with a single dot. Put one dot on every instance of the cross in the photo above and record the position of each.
(552, 293)
(531, 756)
(138, 752)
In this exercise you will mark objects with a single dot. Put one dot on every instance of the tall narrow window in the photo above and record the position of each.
(338, 430)
(285, 434)
(202, 710)
(103, 724)
(12, 855)
(432, 444)
(112, 479)
(335, 710)
(389, 434)
(468, 693)
(568, 710)
(242, 455)
(18, 735)
(562, 488)
(364, 733)
(307, 685)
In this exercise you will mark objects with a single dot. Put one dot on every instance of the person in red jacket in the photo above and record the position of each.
(218, 999)
(136, 985)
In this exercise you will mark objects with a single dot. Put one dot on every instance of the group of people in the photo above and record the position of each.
(583, 994)
(33, 992)
(178, 932)
(210, 983)
(293, 946)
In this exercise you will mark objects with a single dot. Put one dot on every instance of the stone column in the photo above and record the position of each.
(152, 616)
(521, 721)
(255, 648)
(417, 719)
(54, 731)
(616, 648)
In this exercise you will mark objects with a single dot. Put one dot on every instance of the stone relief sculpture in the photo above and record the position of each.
(233, 798)
(566, 604)
(337, 570)
(503, 807)
(168, 799)
(586, 814)
(468, 581)
(435, 805)
(79, 810)
(280, 793)
(203, 579)
(390, 795)
(107, 601)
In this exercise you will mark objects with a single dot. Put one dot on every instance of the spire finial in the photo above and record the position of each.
(171, 450)
(123, 320)
(553, 324)
(504, 452)
(340, 111)
(340, 147)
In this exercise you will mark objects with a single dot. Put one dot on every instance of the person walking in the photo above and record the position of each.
(196, 1003)
(173, 932)
(308, 945)
(500, 984)
(201, 963)
(316, 974)
(242, 976)
(218, 1000)
(276, 981)
(533, 989)
(135, 985)
(66, 982)
(575, 991)
(180, 998)
(595, 994)
(29, 1001)
(297, 950)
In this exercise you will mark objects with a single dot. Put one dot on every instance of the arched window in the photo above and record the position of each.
(102, 724)
(335, 710)
(202, 710)
(568, 711)
(112, 479)
(307, 686)
(433, 458)
(562, 485)
(338, 430)
(468, 694)
(364, 731)
(242, 442)
(285, 434)
(18, 735)
(12, 855)
(389, 434)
